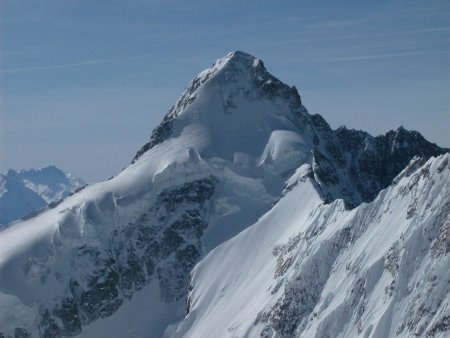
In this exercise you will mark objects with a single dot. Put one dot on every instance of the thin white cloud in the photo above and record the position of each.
(380, 56)
(339, 23)
(366, 36)
(74, 64)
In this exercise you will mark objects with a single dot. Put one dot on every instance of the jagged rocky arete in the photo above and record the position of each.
(360, 165)
(238, 155)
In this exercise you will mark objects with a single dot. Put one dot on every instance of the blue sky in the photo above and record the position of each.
(83, 83)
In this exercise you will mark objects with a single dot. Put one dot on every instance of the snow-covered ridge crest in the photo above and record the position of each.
(221, 95)
(379, 270)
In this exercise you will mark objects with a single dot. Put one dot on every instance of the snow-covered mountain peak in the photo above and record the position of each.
(239, 68)
(238, 112)
(229, 104)
(25, 191)
(237, 56)
(235, 60)
(237, 154)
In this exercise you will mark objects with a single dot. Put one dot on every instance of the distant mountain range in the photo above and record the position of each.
(23, 192)
(243, 216)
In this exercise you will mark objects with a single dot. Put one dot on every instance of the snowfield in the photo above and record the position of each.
(306, 269)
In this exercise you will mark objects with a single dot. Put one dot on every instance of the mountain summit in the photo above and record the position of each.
(233, 108)
(242, 216)
(236, 110)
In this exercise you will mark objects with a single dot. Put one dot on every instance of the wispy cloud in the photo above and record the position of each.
(367, 36)
(339, 23)
(74, 64)
(381, 56)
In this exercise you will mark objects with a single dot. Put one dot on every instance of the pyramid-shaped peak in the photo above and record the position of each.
(236, 93)
(238, 61)
(238, 74)
(239, 57)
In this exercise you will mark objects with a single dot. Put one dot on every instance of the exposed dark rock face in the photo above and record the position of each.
(301, 294)
(157, 246)
(159, 135)
(18, 333)
(440, 327)
(355, 166)
(391, 153)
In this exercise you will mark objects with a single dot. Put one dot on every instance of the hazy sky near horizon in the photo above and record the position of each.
(83, 83)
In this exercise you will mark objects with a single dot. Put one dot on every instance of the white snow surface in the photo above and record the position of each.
(230, 117)
(375, 271)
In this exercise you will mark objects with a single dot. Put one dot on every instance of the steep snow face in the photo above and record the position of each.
(315, 270)
(29, 190)
(234, 107)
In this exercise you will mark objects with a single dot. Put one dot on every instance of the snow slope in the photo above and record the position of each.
(114, 259)
(316, 270)
(29, 190)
